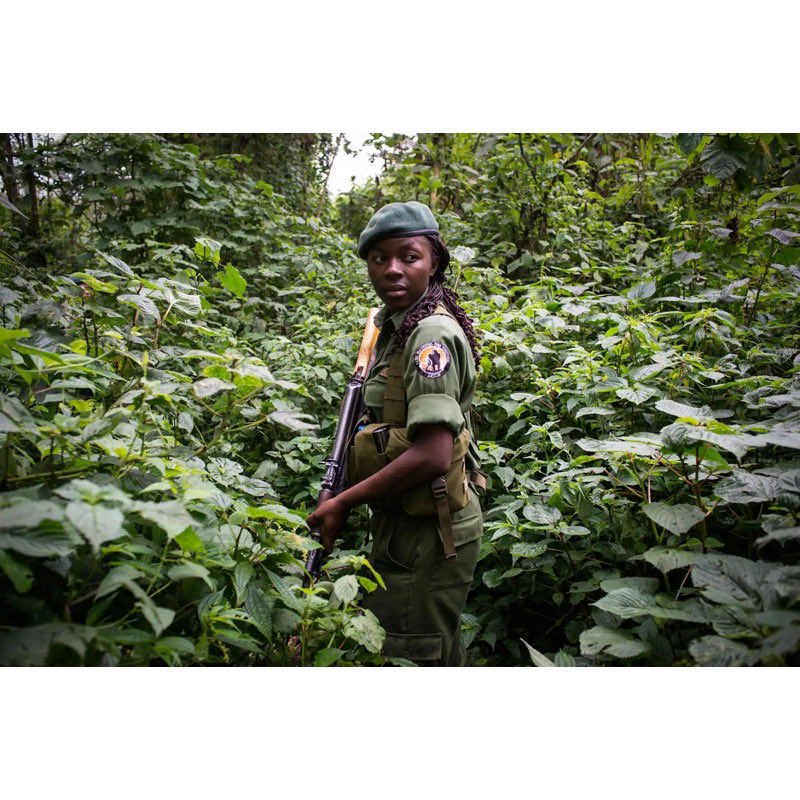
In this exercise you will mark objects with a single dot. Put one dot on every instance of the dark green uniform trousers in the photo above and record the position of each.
(420, 609)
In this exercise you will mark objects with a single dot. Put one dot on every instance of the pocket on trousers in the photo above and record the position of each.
(414, 646)
(402, 547)
(456, 572)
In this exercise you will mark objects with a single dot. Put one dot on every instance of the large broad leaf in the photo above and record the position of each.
(159, 618)
(38, 544)
(30, 647)
(189, 569)
(208, 387)
(242, 574)
(144, 304)
(645, 585)
(732, 580)
(538, 659)
(676, 409)
(746, 487)
(367, 631)
(30, 514)
(682, 256)
(527, 550)
(599, 640)
(779, 535)
(668, 558)
(540, 514)
(232, 280)
(688, 142)
(714, 651)
(96, 522)
(287, 596)
(294, 420)
(171, 516)
(618, 446)
(629, 602)
(676, 518)
(642, 291)
(346, 588)
(259, 607)
(724, 155)
(19, 573)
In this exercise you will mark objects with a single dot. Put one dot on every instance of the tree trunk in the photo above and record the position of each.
(33, 198)
(7, 169)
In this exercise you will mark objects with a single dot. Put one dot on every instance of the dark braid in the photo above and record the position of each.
(438, 293)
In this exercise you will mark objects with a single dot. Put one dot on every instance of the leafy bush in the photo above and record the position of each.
(638, 407)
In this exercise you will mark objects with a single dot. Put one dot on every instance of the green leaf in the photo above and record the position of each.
(97, 523)
(328, 656)
(346, 588)
(688, 142)
(637, 395)
(667, 559)
(207, 249)
(189, 569)
(642, 291)
(118, 264)
(144, 304)
(242, 574)
(170, 516)
(258, 606)
(676, 518)
(746, 487)
(30, 514)
(38, 544)
(293, 420)
(232, 280)
(595, 411)
(527, 550)
(19, 573)
(724, 155)
(682, 256)
(645, 585)
(540, 514)
(159, 618)
(290, 600)
(208, 387)
(367, 631)
(602, 640)
(714, 651)
(731, 580)
(537, 658)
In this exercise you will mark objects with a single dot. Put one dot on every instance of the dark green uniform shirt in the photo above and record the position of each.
(441, 395)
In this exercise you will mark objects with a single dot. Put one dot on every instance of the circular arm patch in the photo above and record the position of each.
(432, 359)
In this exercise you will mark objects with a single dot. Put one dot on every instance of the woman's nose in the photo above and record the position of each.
(394, 266)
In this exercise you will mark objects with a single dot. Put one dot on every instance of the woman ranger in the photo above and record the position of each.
(416, 463)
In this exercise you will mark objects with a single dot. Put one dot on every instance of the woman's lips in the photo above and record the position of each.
(395, 290)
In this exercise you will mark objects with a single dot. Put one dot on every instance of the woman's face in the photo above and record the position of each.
(400, 270)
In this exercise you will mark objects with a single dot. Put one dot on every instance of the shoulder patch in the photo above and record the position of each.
(432, 359)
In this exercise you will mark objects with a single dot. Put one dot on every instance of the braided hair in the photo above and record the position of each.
(438, 293)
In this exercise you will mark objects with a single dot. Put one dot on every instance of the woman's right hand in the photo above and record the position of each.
(330, 518)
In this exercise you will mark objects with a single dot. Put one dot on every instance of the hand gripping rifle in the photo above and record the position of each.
(352, 409)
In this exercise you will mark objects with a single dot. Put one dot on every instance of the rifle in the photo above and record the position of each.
(351, 410)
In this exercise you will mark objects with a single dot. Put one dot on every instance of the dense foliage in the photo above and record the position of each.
(177, 333)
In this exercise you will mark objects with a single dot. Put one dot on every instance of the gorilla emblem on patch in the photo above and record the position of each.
(432, 359)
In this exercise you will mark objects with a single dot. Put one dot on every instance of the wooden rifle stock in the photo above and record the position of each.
(350, 412)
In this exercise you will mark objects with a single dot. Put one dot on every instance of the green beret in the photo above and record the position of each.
(395, 220)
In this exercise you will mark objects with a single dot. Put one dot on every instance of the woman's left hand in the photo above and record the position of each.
(330, 518)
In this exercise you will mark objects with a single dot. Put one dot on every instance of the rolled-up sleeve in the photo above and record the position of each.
(438, 367)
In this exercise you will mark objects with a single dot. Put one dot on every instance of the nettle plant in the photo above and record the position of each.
(137, 522)
(642, 420)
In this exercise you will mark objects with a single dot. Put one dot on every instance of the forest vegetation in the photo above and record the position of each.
(180, 314)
